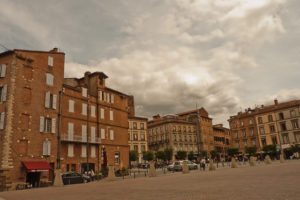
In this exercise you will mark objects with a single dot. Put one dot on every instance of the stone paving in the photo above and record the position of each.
(275, 182)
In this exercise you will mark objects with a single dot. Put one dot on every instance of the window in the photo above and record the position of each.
(297, 136)
(2, 120)
(102, 113)
(142, 137)
(237, 144)
(117, 157)
(134, 125)
(93, 134)
(93, 111)
(71, 106)
(84, 109)
(70, 150)
(47, 125)
(283, 126)
(285, 138)
(142, 126)
(234, 124)
(253, 142)
(135, 136)
(111, 115)
(262, 130)
(101, 97)
(70, 131)
(293, 113)
(174, 128)
(274, 140)
(245, 143)
(3, 92)
(174, 136)
(251, 131)
(250, 122)
(242, 123)
(50, 100)
(236, 135)
(272, 128)
(83, 150)
(50, 61)
(84, 92)
(263, 141)
(190, 138)
(111, 134)
(295, 124)
(270, 118)
(93, 151)
(46, 148)
(184, 129)
(2, 70)
(180, 138)
(49, 79)
(83, 133)
(185, 139)
(260, 120)
(102, 133)
(244, 132)
(143, 148)
(281, 116)
(136, 148)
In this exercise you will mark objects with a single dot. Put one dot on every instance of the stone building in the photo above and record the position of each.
(137, 135)
(187, 131)
(49, 122)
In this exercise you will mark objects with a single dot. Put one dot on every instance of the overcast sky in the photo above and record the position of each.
(223, 55)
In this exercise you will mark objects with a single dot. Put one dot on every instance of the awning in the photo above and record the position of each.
(37, 166)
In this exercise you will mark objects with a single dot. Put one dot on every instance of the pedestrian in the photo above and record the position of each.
(202, 163)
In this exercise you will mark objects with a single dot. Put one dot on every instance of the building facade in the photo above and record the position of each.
(137, 135)
(49, 122)
(222, 139)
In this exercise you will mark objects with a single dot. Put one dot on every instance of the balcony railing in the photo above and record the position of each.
(78, 138)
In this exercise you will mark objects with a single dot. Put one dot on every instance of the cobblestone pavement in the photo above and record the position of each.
(276, 181)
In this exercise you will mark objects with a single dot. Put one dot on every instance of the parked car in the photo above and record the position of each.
(171, 167)
(74, 178)
(178, 165)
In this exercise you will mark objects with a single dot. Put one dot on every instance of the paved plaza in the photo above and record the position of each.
(275, 181)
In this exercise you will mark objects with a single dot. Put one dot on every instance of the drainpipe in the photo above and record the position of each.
(98, 129)
(59, 130)
(87, 130)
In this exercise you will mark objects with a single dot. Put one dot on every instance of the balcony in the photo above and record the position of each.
(79, 139)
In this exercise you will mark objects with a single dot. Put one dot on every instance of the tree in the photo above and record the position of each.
(269, 148)
(203, 153)
(191, 155)
(233, 152)
(181, 155)
(160, 155)
(251, 150)
(133, 155)
(213, 154)
(168, 153)
(295, 148)
(148, 155)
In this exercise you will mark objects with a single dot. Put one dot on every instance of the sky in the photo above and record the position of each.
(172, 55)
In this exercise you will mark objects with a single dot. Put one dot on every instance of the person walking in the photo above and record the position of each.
(203, 164)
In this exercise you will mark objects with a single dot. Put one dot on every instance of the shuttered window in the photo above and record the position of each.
(101, 95)
(50, 100)
(2, 120)
(46, 148)
(50, 61)
(93, 111)
(49, 79)
(112, 98)
(93, 151)
(3, 70)
(47, 125)
(71, 106)
(102, 113)
(70, 150)
(83, 133)
(111, 115)
(84, 109)
(70, 131)
(102, 133)
(3, 92)
(84, 92)
(111, 134)
(93, 134)
(83, 150)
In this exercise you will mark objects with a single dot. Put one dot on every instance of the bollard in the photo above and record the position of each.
(268, 160)
(212, 167)
(111, 173)
(252, 161)
(233, 163)
(281, 158)
(185, 168)
(152, 171)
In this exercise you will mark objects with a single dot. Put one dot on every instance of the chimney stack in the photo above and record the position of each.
(55, 50)
(276, 102)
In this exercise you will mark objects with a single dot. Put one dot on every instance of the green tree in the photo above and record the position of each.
(160, 155)
(233, 151)
(251, 150)
(168, 153)
(133, 155)
(295, 148)
(213, 154)
(269, 148)
(181, 155)
(191, 155)
(148, 155)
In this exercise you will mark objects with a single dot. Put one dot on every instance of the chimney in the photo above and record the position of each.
(156, 116)
(54, 50)
(276, 102)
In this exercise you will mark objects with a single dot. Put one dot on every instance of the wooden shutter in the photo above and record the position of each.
(83, 150)
(3, 70)
(102, 133)
(112, 98)
(93, 111)
(47, 100)
(45, 148)
(108, 97)
(70, 150)
(53, 125)
(4, 93)
(50, 61)
(100, 96)
(71, 106)
(111, 115)
(102, 113)
(70, 131)
(111, 135)
(48, 148)
(42, 121)
(83, 132)
(54, 101)
(93, 135)
(2, 119)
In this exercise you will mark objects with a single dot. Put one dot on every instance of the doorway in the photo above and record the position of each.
(33, 178)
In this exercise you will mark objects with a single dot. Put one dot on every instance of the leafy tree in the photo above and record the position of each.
(148, 155)
(269, 148)
(160, 155)
(213, 154)
(168, 153)
(295, 148)
(203, 153)
(233, 152)
(181, 155)
(133, 155)
(251, 150)
(191, 155)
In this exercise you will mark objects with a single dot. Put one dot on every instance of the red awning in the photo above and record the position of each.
(37, 166)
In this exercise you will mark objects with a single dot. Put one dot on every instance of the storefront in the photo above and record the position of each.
(35, 171)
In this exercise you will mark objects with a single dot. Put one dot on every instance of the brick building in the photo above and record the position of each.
(222, 139)
(137, 135)
(41, 110)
